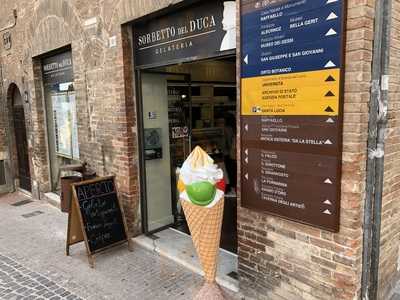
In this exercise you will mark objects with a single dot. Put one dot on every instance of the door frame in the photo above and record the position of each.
(9, 185)
(12, 163)
(139, 117)
(140, 127)
(21, 155)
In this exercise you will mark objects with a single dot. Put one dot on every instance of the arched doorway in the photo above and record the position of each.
(21, 143)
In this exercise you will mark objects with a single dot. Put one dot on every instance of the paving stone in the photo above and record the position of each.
(39, 264)
(16, 285)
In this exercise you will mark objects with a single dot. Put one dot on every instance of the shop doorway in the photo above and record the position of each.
(21, 143)
(183, 106)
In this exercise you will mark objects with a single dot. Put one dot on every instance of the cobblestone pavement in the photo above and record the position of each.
(18, 282)
(33, 264)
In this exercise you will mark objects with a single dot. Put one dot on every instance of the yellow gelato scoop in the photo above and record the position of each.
(181, 185)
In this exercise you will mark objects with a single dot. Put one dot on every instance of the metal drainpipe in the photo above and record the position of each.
(376, 145)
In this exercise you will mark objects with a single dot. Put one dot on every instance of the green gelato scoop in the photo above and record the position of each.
(201, 193)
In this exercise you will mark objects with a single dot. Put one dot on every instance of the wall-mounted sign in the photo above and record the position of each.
(291, 101)
(58, 68)
(7, 40)
(199, 31)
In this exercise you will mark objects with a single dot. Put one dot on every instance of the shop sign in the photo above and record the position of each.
(203, 30)
(291, 108)
(57, 69)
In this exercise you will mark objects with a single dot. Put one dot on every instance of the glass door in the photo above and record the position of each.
(165, 142)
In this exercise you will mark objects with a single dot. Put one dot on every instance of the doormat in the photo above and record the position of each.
(22, 202)
(33, 214)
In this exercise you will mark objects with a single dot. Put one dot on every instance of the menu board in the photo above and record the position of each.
(101, 213)
(291, 108)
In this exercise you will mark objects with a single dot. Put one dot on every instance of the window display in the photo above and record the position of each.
(65, 125)
(61, 114)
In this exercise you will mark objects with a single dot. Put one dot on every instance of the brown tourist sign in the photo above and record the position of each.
(291, 108)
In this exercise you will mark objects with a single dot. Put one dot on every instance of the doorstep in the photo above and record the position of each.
(178, 247)
(53, 199)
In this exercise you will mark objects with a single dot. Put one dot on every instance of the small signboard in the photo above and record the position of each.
(291, 108)
(180, 132)
(96, 217)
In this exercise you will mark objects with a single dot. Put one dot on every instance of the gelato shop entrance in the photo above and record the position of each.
(178, 114)
(186, 74)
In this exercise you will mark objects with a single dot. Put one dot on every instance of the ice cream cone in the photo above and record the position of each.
(205, 227)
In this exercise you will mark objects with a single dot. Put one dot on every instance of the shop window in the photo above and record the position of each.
(61, 114)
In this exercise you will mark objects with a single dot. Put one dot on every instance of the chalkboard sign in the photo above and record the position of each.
(96, 216)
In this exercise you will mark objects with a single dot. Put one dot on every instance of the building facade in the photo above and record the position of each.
(79, 58)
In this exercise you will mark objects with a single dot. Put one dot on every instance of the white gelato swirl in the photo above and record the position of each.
(199, 166)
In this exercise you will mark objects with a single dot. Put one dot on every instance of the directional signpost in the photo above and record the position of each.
(291, 108)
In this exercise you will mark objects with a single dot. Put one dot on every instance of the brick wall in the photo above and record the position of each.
(279, 259)
(390, 232)
(103, 82)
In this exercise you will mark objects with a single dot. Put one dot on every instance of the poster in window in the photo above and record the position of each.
(65, 125)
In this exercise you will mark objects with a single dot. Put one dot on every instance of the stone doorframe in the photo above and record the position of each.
(12, 161)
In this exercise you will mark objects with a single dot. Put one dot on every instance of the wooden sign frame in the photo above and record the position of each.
(76, 232)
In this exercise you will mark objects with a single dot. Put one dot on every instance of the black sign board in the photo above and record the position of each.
(292, 78)
(203, 30)
(96, 216)
(57, 68)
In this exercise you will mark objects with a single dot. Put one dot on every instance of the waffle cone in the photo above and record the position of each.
(205, 227)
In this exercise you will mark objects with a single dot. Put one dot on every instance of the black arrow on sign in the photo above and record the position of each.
(330, 78)
(329, 109)
(329, 94)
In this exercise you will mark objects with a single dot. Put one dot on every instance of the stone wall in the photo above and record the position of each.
(279, 259)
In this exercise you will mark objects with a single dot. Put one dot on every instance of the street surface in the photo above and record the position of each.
(33, 264)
